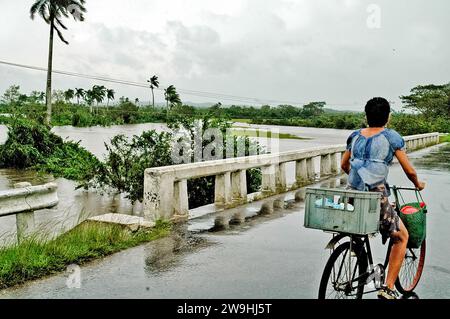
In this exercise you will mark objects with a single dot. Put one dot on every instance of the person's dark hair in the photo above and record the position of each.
(377, 112)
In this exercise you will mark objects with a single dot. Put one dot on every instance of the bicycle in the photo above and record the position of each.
(350, 268)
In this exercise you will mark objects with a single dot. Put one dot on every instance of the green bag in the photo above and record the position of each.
(415, 223)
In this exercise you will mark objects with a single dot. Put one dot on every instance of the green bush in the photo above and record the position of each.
(71, 161)
(126, 161)
(33, 145)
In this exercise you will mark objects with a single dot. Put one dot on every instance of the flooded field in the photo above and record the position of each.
(77, 205)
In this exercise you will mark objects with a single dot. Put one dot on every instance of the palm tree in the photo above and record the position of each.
(37, 96)
(172, 97)
(89, 96)
(110, 95)
(69, 95)
(53, 12)
(154, 83)
(79, 94)
(99, 93)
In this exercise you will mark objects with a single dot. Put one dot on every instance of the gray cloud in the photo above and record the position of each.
(276, 49)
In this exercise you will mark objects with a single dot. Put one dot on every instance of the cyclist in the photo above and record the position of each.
(369, 153)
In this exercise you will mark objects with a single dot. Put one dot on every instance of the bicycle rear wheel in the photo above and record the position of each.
(339, 274)
(411, 269)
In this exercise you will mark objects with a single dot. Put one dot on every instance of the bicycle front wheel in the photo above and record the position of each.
(411, 269)
(342, 277)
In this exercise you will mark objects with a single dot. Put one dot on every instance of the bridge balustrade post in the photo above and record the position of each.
(301, 173)
(334, 163)
(158, 195)
(239, 186)
(222, 189)
(310, 170)
(408, 145)
(181, 206)
(325, 165)
(25, 224)
(268, 183)
(280, 175)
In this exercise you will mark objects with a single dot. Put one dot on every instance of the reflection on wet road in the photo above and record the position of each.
(256, 256)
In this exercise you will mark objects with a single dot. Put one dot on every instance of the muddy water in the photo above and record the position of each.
(77, 205)
(264, 257)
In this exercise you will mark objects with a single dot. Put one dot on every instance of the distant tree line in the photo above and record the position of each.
(426, 109)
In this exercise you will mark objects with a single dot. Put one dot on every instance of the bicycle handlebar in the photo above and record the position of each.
(406, 188)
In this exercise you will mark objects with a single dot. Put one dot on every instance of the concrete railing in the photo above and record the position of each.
(415, 142)
(23, 201)
(166, 193)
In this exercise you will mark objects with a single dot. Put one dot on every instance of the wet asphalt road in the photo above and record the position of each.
(265, 257)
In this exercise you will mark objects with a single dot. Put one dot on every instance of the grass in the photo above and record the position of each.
(237, 131)
(36, 258)
(444, 138)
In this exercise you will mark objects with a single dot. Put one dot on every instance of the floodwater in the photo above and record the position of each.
(263, 256)
(77, 205)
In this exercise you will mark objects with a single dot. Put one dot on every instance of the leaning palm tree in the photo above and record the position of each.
(79, 94)
(69, 95)
(172, 97)
(89, 97)
(99, 93)
(110, 95)
(154, 83)
(53, 12)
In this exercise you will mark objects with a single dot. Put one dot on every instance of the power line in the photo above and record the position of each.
(211, 95)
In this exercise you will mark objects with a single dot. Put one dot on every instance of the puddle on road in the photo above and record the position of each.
(166, 253)
(436, 159)
(440, 269)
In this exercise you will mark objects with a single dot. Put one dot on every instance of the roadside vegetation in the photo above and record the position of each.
(426, 109)
(126, 159)
(36, 257)
(445, 138)
(31, 144)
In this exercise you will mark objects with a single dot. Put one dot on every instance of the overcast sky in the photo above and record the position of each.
(284, 50)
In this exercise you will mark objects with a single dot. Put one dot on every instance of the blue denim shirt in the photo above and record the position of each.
(371, 158)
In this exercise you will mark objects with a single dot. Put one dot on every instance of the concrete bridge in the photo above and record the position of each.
(23, 201)
(166, 193)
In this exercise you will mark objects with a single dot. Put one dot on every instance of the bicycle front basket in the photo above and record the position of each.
(343, 211)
